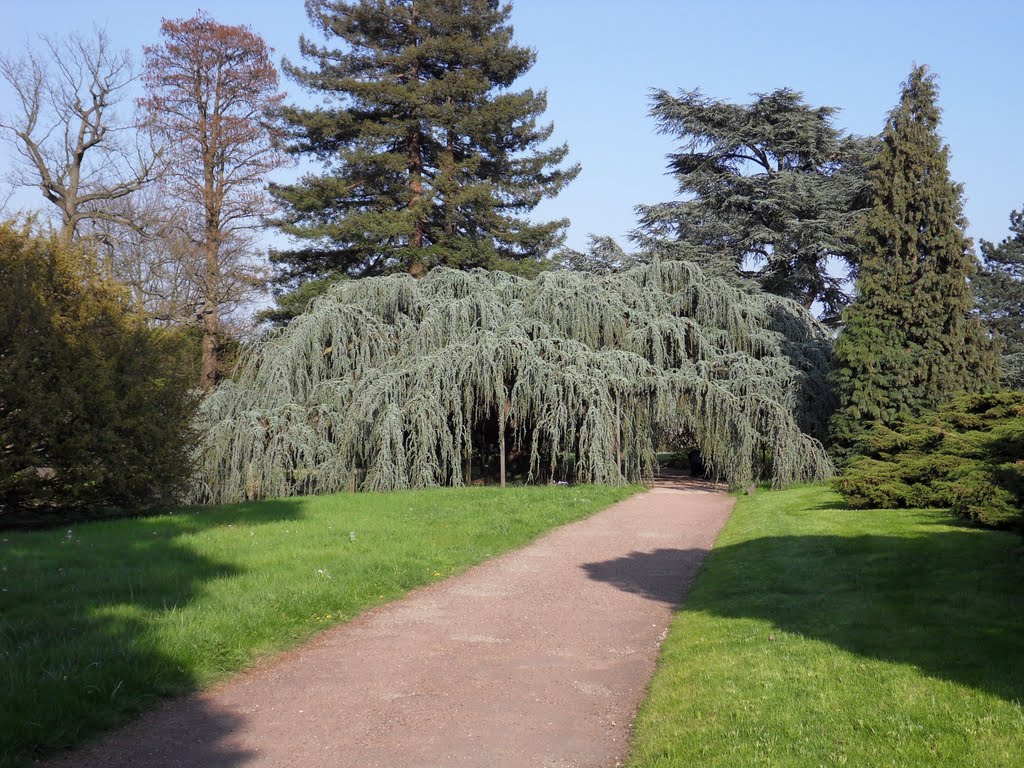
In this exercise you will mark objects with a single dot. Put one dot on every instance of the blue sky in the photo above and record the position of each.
(599, 59)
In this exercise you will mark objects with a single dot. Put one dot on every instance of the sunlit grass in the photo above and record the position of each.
(100, 620)
(818, 636)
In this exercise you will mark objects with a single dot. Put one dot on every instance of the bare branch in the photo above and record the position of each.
(211, 92)
(73, 142)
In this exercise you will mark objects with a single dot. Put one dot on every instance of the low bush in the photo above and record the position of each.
(967, 457)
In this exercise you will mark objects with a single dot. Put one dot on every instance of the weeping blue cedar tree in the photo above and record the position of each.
(394, 382)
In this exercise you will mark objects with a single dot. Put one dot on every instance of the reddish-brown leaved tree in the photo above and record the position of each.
(212, 94)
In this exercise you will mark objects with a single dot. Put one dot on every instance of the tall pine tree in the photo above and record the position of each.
(999, 291)
(909, 341)
(430, 158)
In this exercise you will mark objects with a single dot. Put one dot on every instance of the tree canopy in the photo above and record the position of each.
(771, 190)
(430, 158)
(72, 139)
(909, 341)
(999, 292)
(212, 94)
(95, 407)
(395, 382)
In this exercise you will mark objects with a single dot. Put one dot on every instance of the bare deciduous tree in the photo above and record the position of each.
(212, 95)
(70, 130)
(162, 262)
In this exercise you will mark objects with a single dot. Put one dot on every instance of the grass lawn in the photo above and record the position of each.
(817, 636)
(99, 621)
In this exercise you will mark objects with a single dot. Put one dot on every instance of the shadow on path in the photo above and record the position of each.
(680, 481)
(662, 575)
(200, 735)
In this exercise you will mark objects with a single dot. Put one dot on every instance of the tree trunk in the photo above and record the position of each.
(416, 266)
(809, 298)
(208, 369)
(618, 433)
(448, 173)
(501, 451)
(503, 411)
(210, 316)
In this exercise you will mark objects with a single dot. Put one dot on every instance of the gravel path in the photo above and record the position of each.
(537, 658)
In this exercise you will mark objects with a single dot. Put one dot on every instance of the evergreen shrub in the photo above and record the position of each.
(95, 406)
(967, 456)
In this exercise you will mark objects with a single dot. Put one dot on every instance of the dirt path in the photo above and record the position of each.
(537, 658)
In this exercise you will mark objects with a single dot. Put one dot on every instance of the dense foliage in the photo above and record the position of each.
(967, 457)
(430, 158)
(94, 405)
(395, 382)
(909, 341)
(771, 190)
(999, 292)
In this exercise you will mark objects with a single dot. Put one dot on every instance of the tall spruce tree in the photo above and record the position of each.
(772, 191)
(430, 158)
(999, 292)
(909, 341)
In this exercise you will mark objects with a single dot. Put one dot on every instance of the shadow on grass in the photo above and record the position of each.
(839, 505)
(80, 650)
(950, 603)
(196, 519)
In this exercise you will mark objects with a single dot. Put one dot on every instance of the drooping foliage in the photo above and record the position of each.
(430, 158)
(909, 341)
(999, 293)
(965, 457)
(771, 190)
(95, 407)
(395, 382)
(602, 256)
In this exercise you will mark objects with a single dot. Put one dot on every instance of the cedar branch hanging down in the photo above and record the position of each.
(386, 383)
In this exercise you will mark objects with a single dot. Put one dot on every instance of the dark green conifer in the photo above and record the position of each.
(95, 406)
(999, 292)
(773, 190)
(430, 158)
(909, 341)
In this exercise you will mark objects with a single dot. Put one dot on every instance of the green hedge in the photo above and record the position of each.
(967, 457)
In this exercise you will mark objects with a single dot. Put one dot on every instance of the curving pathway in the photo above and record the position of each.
(538, 658)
